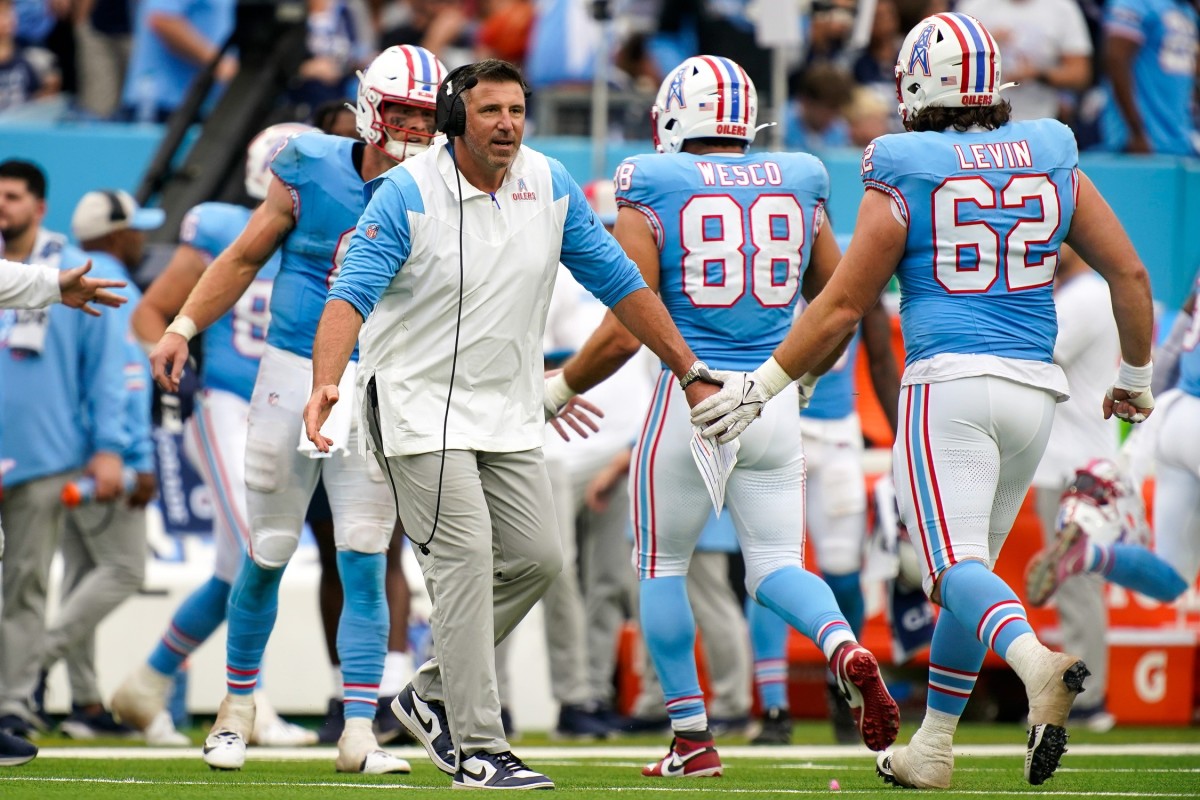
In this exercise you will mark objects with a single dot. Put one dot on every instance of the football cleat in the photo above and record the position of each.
(498, 771)
(138, 701)
(272, 730)
(427, 722)
(1049, 707)
(776, 728)
(225, 746)
(688, 758)
(161, 732)
(875, 712)
(358, 751)
(927, 762)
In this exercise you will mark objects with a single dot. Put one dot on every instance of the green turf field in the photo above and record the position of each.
(1129, 762)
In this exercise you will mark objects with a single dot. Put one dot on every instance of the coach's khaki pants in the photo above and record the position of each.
(495, 552)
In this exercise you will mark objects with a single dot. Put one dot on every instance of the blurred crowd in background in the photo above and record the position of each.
(133, 60)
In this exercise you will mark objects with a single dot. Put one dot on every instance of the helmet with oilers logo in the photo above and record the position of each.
(948, 60)
(404, 75)
(263, 149)
(705, 96)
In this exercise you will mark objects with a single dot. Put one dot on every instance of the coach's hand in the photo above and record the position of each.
(316, 411)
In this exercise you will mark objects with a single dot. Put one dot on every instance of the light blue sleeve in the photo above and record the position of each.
(140, 453)
(588, 250)
(103, 350)
(381, 241)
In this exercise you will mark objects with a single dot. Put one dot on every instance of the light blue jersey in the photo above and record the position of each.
(977, 275)
(327, 200)
(1164, 73)
(734, 234)
(1189, 358)
(59, 370)
(834, 396)
(234, 343)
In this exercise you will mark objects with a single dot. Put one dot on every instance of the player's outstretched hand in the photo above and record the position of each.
(167, 361)
(724, 415)
(580, 415)
(79, 292)
(316, 411)
(1127, 404)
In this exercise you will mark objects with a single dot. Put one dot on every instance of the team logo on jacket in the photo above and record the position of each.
(372, 231)
(522, 192)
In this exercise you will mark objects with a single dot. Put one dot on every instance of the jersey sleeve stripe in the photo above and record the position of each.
(651, 217)
(892, 192)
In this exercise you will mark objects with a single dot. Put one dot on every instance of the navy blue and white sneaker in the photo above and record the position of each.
(498, 771)
(15, 751)
(426, 721)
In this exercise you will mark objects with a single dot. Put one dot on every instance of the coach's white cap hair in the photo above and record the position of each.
(101, 212)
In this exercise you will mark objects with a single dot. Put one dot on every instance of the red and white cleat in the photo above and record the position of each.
(688, 758)
(874, 710)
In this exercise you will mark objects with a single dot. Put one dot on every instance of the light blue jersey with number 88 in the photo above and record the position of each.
(734, 234)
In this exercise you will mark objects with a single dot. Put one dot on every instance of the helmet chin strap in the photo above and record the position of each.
(401, 150)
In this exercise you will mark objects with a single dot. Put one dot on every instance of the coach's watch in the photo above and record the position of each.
(699, 370)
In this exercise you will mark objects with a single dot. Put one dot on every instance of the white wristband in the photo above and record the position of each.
(772, 377)
(558, 393)
(1131, 377)
(182, 326)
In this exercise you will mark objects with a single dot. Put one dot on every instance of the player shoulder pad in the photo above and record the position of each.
(293, 163)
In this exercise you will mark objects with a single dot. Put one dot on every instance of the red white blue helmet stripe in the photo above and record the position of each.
(423, 70)
(732, 94)
(979, 52)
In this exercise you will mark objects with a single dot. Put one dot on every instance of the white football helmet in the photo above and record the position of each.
(702, 97)
(406, 75)
(262, 150)
(948, 60)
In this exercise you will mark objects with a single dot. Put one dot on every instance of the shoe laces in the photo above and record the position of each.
(509, 759)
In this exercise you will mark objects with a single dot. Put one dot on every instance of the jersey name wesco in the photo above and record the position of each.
(765, 174)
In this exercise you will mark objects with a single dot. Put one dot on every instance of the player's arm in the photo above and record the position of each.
(822, 261)
(851, 292)
(167, 294)
(611, 344)
(224, 282)
(1098, 236)
(881, 361)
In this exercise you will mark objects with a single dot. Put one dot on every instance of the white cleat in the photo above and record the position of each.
(225, 747)
(161, 732)
(139, 700)
(272, 730)
(225, 750)
(358, 751)
(927, 762)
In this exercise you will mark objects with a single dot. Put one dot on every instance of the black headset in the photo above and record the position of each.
(450, 114)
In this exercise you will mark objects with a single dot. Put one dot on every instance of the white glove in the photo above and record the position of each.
(727, 413)
(1136, 381)
(557, 395)
(806, 384)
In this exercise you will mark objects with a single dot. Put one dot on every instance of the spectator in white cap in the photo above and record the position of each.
(108, 212)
